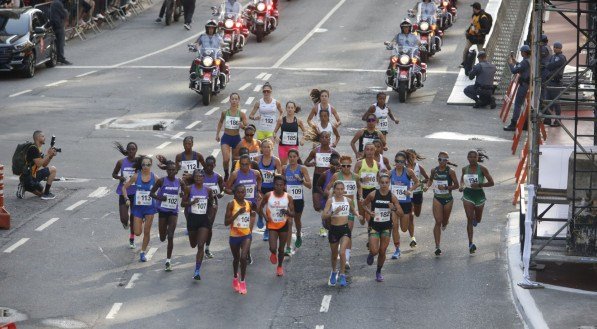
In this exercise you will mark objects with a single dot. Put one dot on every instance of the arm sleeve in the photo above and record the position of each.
(475, 71)
(556, 64)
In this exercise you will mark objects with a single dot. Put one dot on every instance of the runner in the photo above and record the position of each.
(472, 183)
(200, 203)
(336, 213)
(189, 160)
(214, 181)
(322, 183)
(289, 125)
(366, 136)
(249, 143)
(444, 181)
(232, 120)
(244, 151)
(268, 110)
(384, 163)
(404, 181)
(280, 207)
(352, 190)
(297, 176)
(412, 159)
(321, 100)
(368, 171)
(319, 158)
(144, 207)
(123, 170)
(268, 172)
(382, 112)
(169, 190)
(241, 219)
(323, 125)
(383, 203)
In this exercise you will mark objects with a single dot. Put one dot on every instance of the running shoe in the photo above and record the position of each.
(20, 191)
(396, 254)
(323, 232)
(475, 222)
(168, 267)
(158, 20)
(259, 222)
(279, 271)
(299, 242)
(332, 280)
(187, 26)
(438, 251)
(197, 276)
(249, 259)
(142, 257)
(48, 196)
(242, 289)
(472, 248)
(347, 266)
(235, 284)
(273, 258)
(370, 259)
(208, 253)
(378, 277)
(288, 252)
(342, 280)
(266, 235)
(132, 244)
(413, 242)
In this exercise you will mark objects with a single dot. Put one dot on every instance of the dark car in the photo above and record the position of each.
(26, 40)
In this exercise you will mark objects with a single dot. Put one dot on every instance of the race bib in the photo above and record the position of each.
(142, 198)
(369, 178)
(199, 208)
(344, 208)
(267, 122)
(215, 188)
(171, 201)
(188, 166)
(383, 124)
(128, 172)
(289, 138)
(350, 187)
(399, 191)
(277, 215)
(295, 191)
(250, 188)
(242, 221)
(437, 183)
(470, 179)
(253, 156)
(232, 123)
(268, 176)
(367, 140)
(381, 215)
(322, 160)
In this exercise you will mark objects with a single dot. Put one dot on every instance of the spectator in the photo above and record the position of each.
(524, 71)
(58, 16)
(479, 28)
(481, 92)
(555, 71)
(38, 170)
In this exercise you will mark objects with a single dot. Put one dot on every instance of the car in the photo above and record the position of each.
(26, 41)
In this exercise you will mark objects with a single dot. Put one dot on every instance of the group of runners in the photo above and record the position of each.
(270, 191)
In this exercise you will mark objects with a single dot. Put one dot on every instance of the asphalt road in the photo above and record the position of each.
(77, 271)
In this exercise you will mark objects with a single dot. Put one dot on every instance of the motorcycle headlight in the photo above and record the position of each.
(208, 61)
(261, 6)
(228, 23)
(404, 59)
(424, 26)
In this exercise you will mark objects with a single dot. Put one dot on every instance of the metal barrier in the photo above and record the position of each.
(4, 215)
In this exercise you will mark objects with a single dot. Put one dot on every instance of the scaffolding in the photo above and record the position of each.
(578, 91)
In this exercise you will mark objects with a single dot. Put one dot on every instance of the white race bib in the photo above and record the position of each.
(267, 122)
(369, 178)
(253, 156)
(199, 208)
(268, 176)
(399, 191)
(344, 208)
(277, 216)
(171, 201)
(437, 183)
(188, 166)
(322, 160)
(295, 191)
(289, 138)
(381, 215)
(383, 124)
(128, 172)
(250, 188)
(232, 123)
(215, 188)
(367, 140)
(142, 198)
(470, 179)
(242, 221)
(350, 187)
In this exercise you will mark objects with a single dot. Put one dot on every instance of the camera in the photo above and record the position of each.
(53, 142)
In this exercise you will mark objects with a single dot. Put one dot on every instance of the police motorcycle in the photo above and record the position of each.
(232, 30)
(405, 73)
(430, 35)
(446, 14)
(206, 78)
(262, 18)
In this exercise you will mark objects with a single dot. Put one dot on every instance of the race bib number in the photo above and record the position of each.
(295, 191)
(250, 188)
(267, 122)
(367, 140)
(199, 208)
(343, 206)
(400, 192)
(470, 179)
(322, 160)
(242, 221)
(289, 138)
(381, 215)
(350, 187)
(142, 198)
(369, 178)
(232, 123)
(277, 215)
(383, 124)
(188, 166)
(253, 156)
(171, 201)
(268, 176)
(128, 172)
(215, 189)
(437, 184)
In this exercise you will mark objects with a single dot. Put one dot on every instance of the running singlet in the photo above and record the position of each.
(382, 118)
(417, 170)
(126, 171)
(211, 182)
(382, 165)
(250, 182)
(368, 175)
(367, 137)
(232, 122)
(188, 166)
(171, 190)
(319, 109)
(142, 197)
(267, 173)
(442, 178)
(329, 128)
(294, 184)
(289, 132)
(400, 184)
(241, 225)
(343, 205)
(274, 211)
(322, 159)
(268, 113)
(199, 208)
(381, 208)
(253, 148)
(477, 178)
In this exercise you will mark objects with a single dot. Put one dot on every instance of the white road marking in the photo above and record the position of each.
(16, 245)
(243, 110)
(164, 144)
(309, 35)
(114, 310)
(21, 93)
(192, 125)
(104, 123)
(85, 74)
(56, 83)
(389, 89)
(100, 192)
(257, 88)
(245, 86)
(260, 75)
(134, 278)
(215, 153)
(210, 112)
(151, 252)
(224, 101)
(325, 303)
(464, 137)
(178, 135)
(266, 77)
(250, 100)
(193, 37)
(320, 326)
(75, 205)
(46, 224)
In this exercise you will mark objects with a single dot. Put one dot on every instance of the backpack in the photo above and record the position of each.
(19, 158)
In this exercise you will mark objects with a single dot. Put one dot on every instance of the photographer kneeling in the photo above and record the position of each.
(38, 169)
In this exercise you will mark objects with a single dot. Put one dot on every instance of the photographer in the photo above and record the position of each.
(482, 91)
(38, 169)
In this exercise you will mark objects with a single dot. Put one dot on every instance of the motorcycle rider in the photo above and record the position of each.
(425, 9)
(233, 7)
(211, 40)
(407, 39)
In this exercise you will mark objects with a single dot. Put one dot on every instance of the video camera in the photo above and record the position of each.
(53, 142)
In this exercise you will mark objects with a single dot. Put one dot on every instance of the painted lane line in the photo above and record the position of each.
(389, 89)
(20, 93)
(192, 125)
(16, 245)
(164, 144)
(309, 35)
(210, 112)
(250, 100)
(266, 77)
(85, 74)
(53, 84)
(177, 136)
(151, 252)
(224, 101)
(245, 86)
(100, 192)
(46, 224)
(325, 303)
(215, 153)
(75, 205)
(193, 37)
(319, 326)
(114, 310)
(260, 75)
(257, 88)
(131, 283)
(243, 110)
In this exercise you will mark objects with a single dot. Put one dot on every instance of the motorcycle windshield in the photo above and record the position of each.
(399, 50)
(213, 52)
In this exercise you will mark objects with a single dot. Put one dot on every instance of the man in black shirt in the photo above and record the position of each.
(38, 170)
(58, 15)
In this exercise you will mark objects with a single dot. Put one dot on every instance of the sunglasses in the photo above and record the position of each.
(400, 161)
(146, 165)
(443, 159)
(250, 135)
(371, 120)
(346, 166)
(267, 91)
